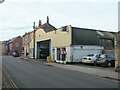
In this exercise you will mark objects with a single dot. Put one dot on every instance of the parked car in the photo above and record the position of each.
(15, 54)
(91, 58)
(106, 59)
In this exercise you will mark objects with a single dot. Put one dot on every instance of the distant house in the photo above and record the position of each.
(3, 44)
(14, 44)
(28, 44)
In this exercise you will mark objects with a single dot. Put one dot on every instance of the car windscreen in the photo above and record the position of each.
(102, 56)
(90, 55)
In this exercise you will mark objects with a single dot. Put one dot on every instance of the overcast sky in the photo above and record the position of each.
(17, 16)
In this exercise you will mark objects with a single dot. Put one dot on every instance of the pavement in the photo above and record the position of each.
(39, 74)
(93, 71)
(102, 72)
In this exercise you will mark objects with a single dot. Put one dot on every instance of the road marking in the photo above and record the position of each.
(11, 81)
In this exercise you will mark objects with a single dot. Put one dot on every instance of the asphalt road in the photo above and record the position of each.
(26, 74)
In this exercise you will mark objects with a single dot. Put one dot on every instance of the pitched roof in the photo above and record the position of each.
(11, 40)
(47, 27)
(106, 34)
(84, 36)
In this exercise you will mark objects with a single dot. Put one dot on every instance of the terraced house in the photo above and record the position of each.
(28, 44)
(12, 45)
(70, 44)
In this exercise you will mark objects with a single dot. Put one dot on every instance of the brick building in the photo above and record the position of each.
(14, 44)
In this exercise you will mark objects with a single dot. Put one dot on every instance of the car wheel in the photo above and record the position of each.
(109, 64)
(94, 63)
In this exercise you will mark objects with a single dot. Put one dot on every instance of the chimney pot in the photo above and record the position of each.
(47, 19)
(39, 23)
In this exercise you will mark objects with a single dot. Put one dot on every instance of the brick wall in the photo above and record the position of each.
(117, 50)
(17, 45)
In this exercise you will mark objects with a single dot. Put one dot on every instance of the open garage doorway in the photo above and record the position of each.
(43, 49)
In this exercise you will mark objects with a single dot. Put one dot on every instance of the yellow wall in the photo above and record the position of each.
(60, 39)
(31, 48)
(28, 43)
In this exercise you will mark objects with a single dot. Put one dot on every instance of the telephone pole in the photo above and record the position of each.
(34, 41)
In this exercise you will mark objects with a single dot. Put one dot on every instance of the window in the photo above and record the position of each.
(97, 56)
(90, 55)
(64, 29)
(102, 56)
(17, 45)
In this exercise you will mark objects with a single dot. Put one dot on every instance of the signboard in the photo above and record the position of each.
(62, 52)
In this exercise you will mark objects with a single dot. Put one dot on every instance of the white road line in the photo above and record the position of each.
(11, 81)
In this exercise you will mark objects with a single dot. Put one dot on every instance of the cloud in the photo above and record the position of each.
(20, 13)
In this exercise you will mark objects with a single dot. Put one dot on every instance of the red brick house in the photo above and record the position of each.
(15, 44)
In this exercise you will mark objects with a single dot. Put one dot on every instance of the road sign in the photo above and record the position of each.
(62, 52)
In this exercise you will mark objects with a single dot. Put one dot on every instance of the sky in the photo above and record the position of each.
(17, 16)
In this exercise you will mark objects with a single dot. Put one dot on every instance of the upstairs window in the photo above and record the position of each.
(65, 29)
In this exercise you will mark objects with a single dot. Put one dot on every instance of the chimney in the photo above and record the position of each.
(39, 24)
(47, 19)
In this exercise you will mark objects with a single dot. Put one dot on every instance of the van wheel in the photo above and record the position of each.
(109, 64)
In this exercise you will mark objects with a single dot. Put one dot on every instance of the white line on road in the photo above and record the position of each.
(11, 81)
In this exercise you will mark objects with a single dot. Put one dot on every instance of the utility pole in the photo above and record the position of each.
(34, 41)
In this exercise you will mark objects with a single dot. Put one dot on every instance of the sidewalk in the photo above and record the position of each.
(88, 70)
(93, 71)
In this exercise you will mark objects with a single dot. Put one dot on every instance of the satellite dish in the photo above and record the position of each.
(1, 1)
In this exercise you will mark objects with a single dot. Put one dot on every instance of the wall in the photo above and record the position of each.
(117, 51)
(58, 38)
(28, 44)
(78, 51)
(107, 44)
(3, 49)
(10, 48)
(19, 41)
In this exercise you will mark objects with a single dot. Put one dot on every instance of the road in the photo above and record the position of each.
(26, 74)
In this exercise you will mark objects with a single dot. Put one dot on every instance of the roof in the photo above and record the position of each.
(106, 34)
(28, 33)
(82, 36)
(47, 27)
(11, 40)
